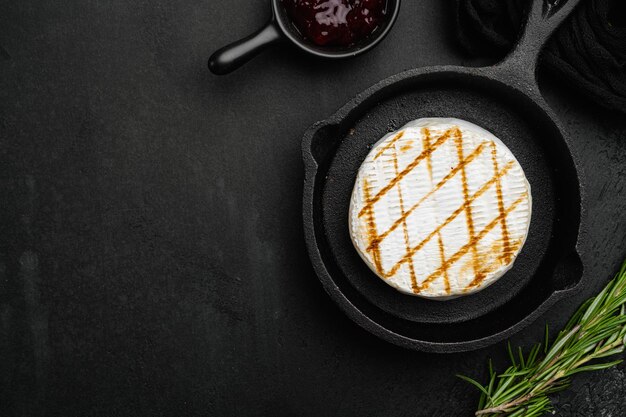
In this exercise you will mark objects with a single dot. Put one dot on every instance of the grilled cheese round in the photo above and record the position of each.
(440, 208)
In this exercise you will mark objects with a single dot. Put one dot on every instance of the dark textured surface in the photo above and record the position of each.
(152, 256)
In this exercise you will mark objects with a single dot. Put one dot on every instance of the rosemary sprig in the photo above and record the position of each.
(597, 330)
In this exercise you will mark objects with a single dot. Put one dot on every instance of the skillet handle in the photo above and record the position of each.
(567, 272)
(231, 57)
(544, 17)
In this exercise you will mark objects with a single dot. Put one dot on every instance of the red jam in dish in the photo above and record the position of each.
(336, 22)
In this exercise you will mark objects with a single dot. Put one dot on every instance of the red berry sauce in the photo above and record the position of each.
(336, 22)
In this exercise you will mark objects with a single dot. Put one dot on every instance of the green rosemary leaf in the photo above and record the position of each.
(492, 378)
(596, 367)
(611, 352)
(521, 357)
(511, 356)
(558, 386)
(532, 356)
(475, 383)
(596, 330)
(515, 373)
(482, 401)
(575, 317)
(556, 349)
(597, 301)
(516, 390)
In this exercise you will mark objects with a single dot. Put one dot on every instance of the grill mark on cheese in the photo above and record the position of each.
(503, 225)
(440, 184)
(408, 145)
(442, 255)
(370, 202)
(371, 226)
(426, 146)
(407, 244)
(390, 144)
(453, 216)
(471, 244)
(489, 264)
(469, 219)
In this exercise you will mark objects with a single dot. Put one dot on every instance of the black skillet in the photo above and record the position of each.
(505, 100)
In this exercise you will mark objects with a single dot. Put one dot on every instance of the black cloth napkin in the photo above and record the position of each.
(588, 50)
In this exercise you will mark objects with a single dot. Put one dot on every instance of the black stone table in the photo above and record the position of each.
(152, 260)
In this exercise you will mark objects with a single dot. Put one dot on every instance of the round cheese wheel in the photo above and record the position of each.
(440, 208)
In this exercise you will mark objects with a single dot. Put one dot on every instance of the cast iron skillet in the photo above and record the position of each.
(280, 28)
(504, 99)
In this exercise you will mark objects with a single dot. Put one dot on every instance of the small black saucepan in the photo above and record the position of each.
(503, 99)
(280, 28)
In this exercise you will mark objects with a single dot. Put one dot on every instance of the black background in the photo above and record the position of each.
(152, 259)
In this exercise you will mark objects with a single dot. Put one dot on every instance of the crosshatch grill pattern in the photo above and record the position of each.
(471, 186)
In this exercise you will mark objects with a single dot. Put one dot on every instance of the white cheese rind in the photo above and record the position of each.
(412, 225)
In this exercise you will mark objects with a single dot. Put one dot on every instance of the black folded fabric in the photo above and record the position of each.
(588, 50)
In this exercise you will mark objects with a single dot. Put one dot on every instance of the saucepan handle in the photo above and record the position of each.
(544, 17)
(231, 57)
